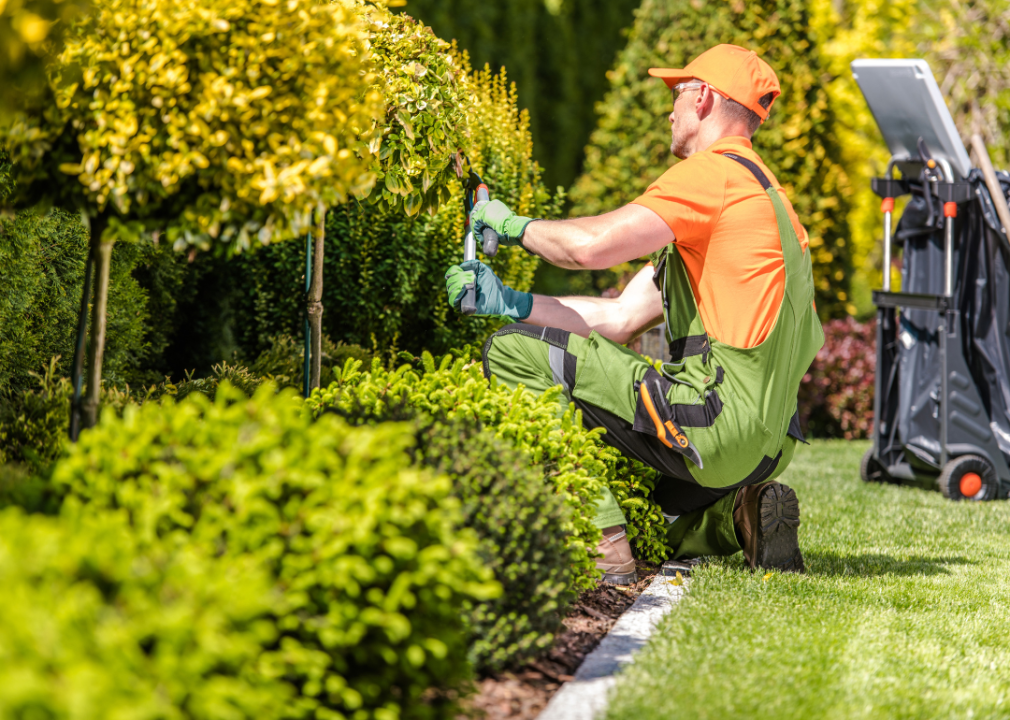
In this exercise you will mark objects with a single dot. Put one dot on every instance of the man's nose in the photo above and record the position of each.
(671, 118)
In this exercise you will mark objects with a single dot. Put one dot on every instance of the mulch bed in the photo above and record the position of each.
(523, 694)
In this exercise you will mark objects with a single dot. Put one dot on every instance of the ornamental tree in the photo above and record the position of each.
(412, 141)
(221, 124)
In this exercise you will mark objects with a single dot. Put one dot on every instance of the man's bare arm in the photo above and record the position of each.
(597, 243)
(620, 319)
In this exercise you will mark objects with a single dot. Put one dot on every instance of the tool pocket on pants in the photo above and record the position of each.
(656, 416)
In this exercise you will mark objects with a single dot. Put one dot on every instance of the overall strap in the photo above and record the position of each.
(792, 253)
(752, 166)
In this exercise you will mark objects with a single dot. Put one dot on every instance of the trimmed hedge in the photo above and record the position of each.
(364, 549)
(521, 523)
(575, 462)
(384, 287)
(631, 145)
(93, 625)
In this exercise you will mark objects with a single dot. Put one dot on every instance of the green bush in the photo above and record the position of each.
(522, 525)
(34, 421)
(93, 626)
(521, 522)
(575, 462)
(630, 147)
(384, 286)
(42, 273)
(365, 551)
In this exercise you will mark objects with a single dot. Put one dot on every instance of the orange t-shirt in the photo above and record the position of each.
(724, 227)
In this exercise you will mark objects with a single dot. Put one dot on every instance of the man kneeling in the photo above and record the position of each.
(731, 279)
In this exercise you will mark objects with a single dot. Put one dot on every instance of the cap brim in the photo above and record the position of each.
(670, 76)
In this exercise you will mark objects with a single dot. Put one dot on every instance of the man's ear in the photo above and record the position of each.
(704, 104)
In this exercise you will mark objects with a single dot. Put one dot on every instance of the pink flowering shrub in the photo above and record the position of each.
(836, 395)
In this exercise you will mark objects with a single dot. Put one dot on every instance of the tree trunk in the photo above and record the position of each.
(80, 347)
(315, 302)
(101, 254)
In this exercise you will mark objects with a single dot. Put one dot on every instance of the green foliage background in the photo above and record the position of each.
(630, 147)
(557, 51)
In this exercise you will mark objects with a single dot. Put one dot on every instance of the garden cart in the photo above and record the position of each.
(942, 388)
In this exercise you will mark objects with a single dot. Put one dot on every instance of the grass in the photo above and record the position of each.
(903, 613)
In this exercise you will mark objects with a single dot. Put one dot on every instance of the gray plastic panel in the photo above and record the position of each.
(906, 103)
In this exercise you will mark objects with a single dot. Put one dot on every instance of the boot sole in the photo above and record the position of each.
(614, 578)
(778, 545)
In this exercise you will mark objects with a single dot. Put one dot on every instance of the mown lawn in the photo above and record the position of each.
(903, 613)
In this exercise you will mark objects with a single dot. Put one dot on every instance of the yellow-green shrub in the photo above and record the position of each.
(96, 625)
(427, 97)
(227, 121)
(365, 551)
(630, 147)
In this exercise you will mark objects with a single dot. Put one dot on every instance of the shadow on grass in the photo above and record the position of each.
(875, 564)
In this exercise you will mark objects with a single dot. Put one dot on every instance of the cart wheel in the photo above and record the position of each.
(870, 469)
(968, 477)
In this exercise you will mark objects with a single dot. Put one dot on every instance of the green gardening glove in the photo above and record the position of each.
(497, 216)
(493, 298)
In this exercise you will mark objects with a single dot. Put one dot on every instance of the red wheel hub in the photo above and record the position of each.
(970, 484)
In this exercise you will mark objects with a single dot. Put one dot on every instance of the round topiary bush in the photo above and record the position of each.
(365, 550)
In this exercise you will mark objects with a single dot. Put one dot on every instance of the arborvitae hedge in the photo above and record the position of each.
(558, 51)
(384, 271)
(630, 147)
(42, 272)
(365, 551)
(95, 625)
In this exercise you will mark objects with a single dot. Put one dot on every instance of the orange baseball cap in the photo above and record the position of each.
(733, 71)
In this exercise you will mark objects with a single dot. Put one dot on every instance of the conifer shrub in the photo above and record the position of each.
(630, 147)
(364, 550)
(42, 271)
(95, 625)
(33, 421)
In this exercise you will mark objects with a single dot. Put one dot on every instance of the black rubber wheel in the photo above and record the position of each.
(968, 477)
(870, 469)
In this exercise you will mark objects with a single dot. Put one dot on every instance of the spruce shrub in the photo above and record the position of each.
(575, 462)
(94, 625)
(630, 147)
(364, 550)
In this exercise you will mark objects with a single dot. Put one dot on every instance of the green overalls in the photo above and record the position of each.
(715, 419)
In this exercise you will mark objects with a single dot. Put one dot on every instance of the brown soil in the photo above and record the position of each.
(523, 694)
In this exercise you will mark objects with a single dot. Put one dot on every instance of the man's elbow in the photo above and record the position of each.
(590, 256)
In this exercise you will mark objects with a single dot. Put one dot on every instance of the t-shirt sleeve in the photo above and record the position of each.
(689, 197)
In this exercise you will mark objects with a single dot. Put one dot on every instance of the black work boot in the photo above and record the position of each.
(617, 563)
(766, 517)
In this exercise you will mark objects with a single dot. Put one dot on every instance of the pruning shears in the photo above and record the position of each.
(474, 191)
